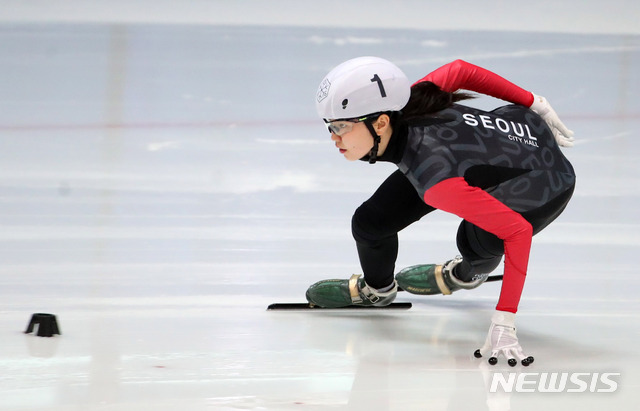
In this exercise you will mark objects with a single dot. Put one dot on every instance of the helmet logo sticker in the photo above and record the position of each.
(344, 103)
(323, 91)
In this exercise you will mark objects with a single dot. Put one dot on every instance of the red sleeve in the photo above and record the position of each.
(478, 207)
(462, 75)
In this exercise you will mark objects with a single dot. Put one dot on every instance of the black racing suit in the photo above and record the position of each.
(509, 153)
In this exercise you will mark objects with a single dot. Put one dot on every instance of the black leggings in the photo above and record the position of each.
(396, 204)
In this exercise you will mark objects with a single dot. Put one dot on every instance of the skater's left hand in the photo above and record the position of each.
(562, 134)
(502, 339)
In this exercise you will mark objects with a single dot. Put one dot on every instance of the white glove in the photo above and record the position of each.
(502, 339)
(563, 135)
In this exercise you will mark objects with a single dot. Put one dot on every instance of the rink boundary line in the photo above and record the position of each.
(159, 125)
(240, 124)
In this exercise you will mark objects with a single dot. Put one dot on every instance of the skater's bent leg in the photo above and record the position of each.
(377, 260)
(481, 252)
(376, 223)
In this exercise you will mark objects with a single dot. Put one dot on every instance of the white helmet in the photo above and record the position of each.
(362, 86)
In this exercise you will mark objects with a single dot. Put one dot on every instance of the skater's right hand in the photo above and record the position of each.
(562, 134)
(502, 339)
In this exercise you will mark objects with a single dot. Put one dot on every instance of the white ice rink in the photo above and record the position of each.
(164, 177)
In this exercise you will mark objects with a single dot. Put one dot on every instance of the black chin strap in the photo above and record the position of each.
(373, 154)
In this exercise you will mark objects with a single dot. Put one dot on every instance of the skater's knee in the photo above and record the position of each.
(367, 226)
(361, 227)
(481, 252)
(476, 244)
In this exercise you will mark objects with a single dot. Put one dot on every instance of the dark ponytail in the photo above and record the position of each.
(427, 98)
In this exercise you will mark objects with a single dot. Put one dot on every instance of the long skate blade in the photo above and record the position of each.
(307, 306)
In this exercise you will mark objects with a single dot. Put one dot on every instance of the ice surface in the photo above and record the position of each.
(161, 184)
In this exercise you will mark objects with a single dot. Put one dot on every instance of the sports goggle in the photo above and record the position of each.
(342, 127)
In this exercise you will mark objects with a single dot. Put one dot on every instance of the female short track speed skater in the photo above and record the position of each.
(501, 171)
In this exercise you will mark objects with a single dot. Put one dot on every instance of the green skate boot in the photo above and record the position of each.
(429, 279)
(343, 293)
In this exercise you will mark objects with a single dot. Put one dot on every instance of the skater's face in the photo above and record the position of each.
(353, 138)
(355, 143)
